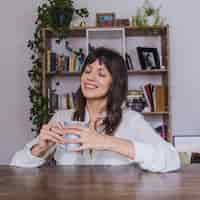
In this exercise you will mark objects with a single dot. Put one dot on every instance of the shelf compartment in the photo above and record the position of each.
(148, 72)
(155, 113)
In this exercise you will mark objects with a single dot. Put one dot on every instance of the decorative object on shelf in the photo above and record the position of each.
(138, 19)
(105, 19)
(84, 14)
(147, 15)
(136, 100)
(51, 14)
(90, 48)
(80, 22)
(122, 22)
(148, 57)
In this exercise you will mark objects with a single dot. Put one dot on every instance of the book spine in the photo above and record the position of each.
(48, 60)
(160, 98)
(53, 62)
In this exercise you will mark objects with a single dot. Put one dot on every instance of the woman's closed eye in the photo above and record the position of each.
(87, 71)
(100, 73)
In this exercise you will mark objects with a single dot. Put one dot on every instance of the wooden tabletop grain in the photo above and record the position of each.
(98, 183)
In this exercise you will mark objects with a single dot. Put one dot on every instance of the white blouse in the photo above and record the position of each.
(151, 151)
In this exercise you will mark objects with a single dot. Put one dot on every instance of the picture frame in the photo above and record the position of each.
(105, 19)
(148, 58)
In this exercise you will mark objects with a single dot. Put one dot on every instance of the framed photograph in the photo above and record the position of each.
(148, 57)
(105, 19)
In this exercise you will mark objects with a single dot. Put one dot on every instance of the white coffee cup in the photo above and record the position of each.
(69, 147)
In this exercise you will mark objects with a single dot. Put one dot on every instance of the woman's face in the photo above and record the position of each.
(95, 81)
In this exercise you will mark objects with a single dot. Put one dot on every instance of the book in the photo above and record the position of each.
(66, 61)
(160, 98)
(54, 62)
(61, 63)
(48, 60)
(148, 90)
(129, 62)
(53, 102)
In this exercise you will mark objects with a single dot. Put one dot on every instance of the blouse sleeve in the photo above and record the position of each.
(24, 157)
(152, 153)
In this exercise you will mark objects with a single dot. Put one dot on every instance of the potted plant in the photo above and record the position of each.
(58, 13)
(147, 15)
(151, 14)
(55, 14)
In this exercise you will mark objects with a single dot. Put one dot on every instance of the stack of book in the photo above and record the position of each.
(156, 97)
(59, 102)
(136, 100)
(63, 63)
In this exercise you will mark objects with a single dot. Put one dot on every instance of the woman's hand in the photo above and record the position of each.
(89, 138)
(50, 134)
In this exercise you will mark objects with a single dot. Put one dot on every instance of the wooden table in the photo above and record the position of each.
(80, 183)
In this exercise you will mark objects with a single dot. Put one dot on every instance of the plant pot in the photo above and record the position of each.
(150, 20)
(62, 17)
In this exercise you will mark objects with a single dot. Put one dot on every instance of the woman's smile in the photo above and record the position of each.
(88, 85)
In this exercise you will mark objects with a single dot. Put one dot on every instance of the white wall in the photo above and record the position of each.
(17, 22)
(17, 26)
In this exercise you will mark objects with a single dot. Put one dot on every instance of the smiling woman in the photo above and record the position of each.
(106, 70)
(115, 135)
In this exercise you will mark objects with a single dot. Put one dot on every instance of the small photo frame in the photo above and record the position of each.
(148, 57)
(105, 19)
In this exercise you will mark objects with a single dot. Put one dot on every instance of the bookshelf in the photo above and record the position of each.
(125, 38)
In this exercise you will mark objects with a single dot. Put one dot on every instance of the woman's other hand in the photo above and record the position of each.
(50, 134)
(89, 138)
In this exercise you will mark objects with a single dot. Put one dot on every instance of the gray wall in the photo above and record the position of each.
(17, 26)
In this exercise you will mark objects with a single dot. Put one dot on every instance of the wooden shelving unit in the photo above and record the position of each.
(162, 32)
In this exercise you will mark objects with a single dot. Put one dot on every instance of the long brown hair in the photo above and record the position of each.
(115, 64)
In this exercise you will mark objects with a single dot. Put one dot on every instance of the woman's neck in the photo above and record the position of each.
(95, 108)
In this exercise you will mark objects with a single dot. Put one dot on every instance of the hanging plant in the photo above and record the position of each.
(55, 14)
